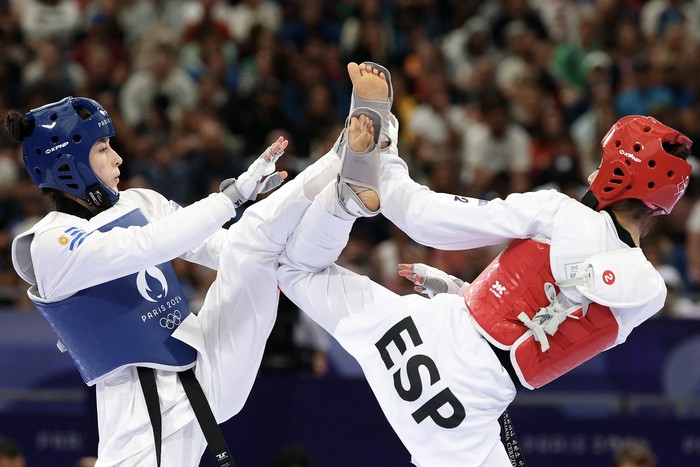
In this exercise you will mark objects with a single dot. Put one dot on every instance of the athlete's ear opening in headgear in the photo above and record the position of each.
(57, 152)
(642, 159)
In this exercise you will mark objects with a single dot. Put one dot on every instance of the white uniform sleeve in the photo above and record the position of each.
(62, 269)
(206, 254)
(630, 318)
(451, 222)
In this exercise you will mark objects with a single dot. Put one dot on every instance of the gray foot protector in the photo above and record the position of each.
(359, 169)
(383, 107)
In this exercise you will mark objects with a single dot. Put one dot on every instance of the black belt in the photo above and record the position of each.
(200, 406)
(510, 441)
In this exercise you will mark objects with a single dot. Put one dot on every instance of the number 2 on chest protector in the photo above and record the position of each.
(437, 407)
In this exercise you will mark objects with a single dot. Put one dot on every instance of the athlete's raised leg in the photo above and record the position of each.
(325, 227)
(240, 307)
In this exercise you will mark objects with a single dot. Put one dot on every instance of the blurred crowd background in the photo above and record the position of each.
(493, 97)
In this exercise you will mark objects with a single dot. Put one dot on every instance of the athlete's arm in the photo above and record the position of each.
(452, 222)
(97, 257)
(431, 281)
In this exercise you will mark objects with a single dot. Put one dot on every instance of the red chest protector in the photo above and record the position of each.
(509, 294)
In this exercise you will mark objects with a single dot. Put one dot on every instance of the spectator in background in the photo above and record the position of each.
(517, 62)
(622, 43)
(320, 115)
(308, 98)
(633, 454)
(670, 55)
(12, 58)
(554, 155)
(245, 15)
(569, 59)
(517, 10)
(422, 64)
(309, 22)
(11, 454)
(140, 19)
(207, 45)
(367, 34)
(463, 46)
(656, 16)
(210, 154)
(53, 20)
(645, 95)
(162, 77)
(589, 128)
(524, 73)
(497, 151)
(54, 72)
(262, 113)
(437, 124)
(101, 53)
(212, 96)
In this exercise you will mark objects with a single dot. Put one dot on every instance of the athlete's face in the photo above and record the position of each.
(105, 163)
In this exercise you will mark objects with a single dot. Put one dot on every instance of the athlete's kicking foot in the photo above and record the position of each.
(371, 88)
(368, 82)
(361, 141)
(357, 187)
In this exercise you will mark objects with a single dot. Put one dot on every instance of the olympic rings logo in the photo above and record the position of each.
(172, 320)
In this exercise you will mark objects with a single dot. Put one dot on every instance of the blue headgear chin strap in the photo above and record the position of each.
(57, 153)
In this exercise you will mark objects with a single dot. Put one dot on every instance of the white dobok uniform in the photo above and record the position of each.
(431, 362)
(230, 330)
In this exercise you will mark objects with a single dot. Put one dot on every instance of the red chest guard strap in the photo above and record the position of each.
(576, 341)
(513, 283)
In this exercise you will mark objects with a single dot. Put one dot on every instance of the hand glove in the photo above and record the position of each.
(259, 178)
(430, 281)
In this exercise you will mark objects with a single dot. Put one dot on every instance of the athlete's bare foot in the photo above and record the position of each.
(368, 82)
(361, 134)
(361, 140)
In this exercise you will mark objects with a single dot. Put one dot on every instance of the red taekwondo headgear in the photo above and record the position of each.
(635, 165)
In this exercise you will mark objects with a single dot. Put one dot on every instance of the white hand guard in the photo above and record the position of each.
(433, 281)
(259, 178)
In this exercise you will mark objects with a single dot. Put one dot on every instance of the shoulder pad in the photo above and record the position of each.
(620, 278)
(21, 253)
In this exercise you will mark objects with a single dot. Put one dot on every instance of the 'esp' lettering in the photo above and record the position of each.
(444, 398)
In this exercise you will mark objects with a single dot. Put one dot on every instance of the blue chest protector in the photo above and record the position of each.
(124, 322)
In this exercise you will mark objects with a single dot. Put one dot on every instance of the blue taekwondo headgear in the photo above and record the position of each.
(57, 153)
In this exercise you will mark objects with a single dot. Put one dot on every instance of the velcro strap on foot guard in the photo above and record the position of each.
(382, 107)
(360, 170)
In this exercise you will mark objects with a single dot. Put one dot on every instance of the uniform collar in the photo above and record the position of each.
(72, 207)
(590, 200)
(624, 235)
